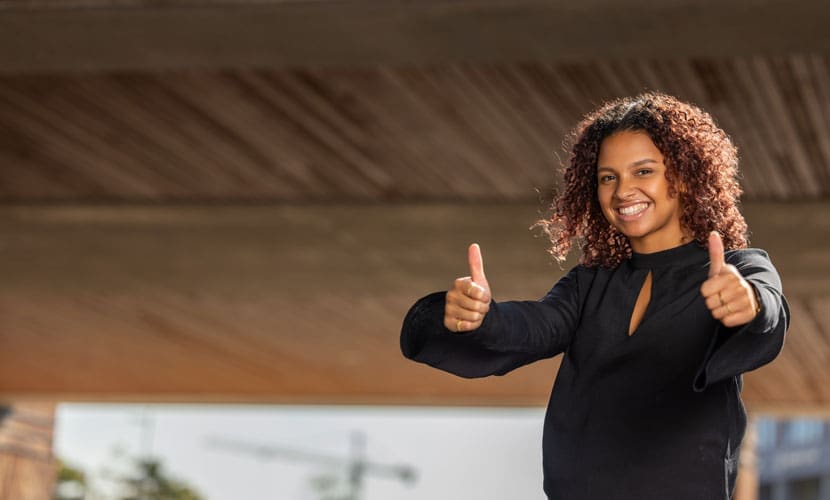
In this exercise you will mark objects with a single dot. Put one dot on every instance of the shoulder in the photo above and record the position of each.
(753, 263)
(578, 277)
(583, 277)
(584, 274)
(747, 256)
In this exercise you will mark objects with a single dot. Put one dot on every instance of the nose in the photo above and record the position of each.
(624, 188)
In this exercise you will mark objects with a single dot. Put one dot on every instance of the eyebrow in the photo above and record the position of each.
(635, 164)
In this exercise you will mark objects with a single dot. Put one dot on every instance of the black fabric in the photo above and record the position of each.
(654, 415)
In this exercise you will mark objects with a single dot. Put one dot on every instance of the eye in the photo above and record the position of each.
(644, 171)
(605, 179)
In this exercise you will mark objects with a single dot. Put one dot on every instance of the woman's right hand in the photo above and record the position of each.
(468, 300)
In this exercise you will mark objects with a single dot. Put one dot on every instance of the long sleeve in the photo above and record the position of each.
(512, 334)
(734, 351)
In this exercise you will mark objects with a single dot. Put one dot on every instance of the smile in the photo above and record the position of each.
(633, 209)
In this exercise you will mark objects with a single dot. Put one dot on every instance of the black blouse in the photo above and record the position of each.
(653, 415)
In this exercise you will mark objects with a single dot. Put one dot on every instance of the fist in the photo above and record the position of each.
(468, 300)
(729, 297)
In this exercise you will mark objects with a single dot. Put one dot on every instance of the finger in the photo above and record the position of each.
(737, 309)
(716, 257)
(452, 324)
(463, 314)
(479, 293)
(736, 319)
(455, 324)
(720, 283)
(466, 286)
(476, 264)
(461, 285)
(460, 325)
(467, 302)
(720, 297)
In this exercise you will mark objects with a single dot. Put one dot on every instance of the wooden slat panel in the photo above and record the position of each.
(461, 131)
(27, 468)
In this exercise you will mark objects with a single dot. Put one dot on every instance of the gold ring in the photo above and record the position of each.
(469, 289)
(720, 297)
(458, 325)
(727, 308)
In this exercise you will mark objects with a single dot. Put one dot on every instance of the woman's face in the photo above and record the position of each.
(633, 192)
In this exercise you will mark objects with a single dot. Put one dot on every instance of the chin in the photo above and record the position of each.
(629, 232)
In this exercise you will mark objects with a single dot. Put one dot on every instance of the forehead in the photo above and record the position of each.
(625, 147)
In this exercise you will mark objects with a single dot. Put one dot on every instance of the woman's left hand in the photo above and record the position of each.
(729, 297)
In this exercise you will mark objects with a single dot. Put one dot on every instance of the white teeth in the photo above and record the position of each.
(633, 209)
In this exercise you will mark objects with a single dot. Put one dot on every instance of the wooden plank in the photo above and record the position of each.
(460, 132)
(27, 468)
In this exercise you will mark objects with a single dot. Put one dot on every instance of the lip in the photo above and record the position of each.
(631, 217)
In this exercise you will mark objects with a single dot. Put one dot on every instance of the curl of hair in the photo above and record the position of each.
(701, 167)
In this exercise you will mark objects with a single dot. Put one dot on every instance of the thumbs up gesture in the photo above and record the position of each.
(729, 297)
(469, 299)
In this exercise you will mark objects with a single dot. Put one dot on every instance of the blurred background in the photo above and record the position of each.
(214, 215)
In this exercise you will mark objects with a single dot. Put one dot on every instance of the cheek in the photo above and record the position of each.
(604, 198)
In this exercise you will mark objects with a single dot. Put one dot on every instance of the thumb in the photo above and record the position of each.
(476, 265)
(716, 258)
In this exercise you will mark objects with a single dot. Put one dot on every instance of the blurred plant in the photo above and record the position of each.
(150, 481)
(144, 479)
(71, 483)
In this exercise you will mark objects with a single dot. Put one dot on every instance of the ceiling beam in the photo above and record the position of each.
(303, 304)
(46, 37)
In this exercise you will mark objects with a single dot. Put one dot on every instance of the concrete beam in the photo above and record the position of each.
(303, 304)
(38, 37)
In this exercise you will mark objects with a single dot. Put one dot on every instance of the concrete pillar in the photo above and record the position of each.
(27, 467)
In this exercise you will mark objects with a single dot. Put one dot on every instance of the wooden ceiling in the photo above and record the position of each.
(449, 132)
(237, 201)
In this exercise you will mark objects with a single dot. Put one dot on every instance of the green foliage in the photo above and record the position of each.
(152, 483)
(148, 480)
(67, 473)
(70, 484)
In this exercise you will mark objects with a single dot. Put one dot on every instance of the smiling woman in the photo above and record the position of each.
(666, 311)
(634, 195)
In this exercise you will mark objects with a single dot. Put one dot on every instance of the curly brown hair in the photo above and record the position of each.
(701, 165)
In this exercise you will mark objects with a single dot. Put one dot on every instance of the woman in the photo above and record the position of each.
(657, 323)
